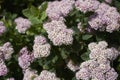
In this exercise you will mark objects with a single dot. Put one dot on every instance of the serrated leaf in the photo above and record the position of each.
(86, 37)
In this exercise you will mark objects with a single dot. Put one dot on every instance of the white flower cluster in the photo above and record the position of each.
(72, 66)
(46, 75)
(22, 24)
(98, 67)
(6, 51)
(87, 5)
(105, 18)
(30, 74)
(58, 9)
(58, 33)
(41, 48)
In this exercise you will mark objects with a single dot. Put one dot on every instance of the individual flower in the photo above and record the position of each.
(58, 33)
(2, 28)
(46, 75)
(80, 27)
(87, 5)
(25, 58)
(41, 48)
(22, 24)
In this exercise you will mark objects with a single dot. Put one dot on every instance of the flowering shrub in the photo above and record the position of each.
(60, 40)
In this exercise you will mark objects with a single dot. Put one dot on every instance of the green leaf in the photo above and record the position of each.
(55, 59)
(43, 16)
(63, 54)
(86, 37)
(34, 20)
(43, 7)
(85, 56)
(74, 78)
(31, 12)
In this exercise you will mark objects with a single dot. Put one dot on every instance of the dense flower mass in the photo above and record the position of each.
(98, 67)
(47, 75)
(22, 24)
(41, 48)
(2, 28)
(25, 58)
(58, 9)
(87, 5)
(105, 18)
(6, 51)
(3, 68)
(58, 33)
(48, 39)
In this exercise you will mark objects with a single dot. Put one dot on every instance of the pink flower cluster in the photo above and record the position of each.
(47, 75)
(98, 67)
(2, 28)
(3, 68)
(105, 18)
(87, 5)
(58, 33)
(5, 54)
(58, 9)
(41, 48)
(25, 58)
(6, 51)
(22, 24)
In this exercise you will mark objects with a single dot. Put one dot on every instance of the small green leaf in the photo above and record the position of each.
(31, 12)
(74, 78)
(85, 56)
(43, 16)
(35, 20)
(43, 7)
(86, 37)
(63, 54)
(55, 59)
